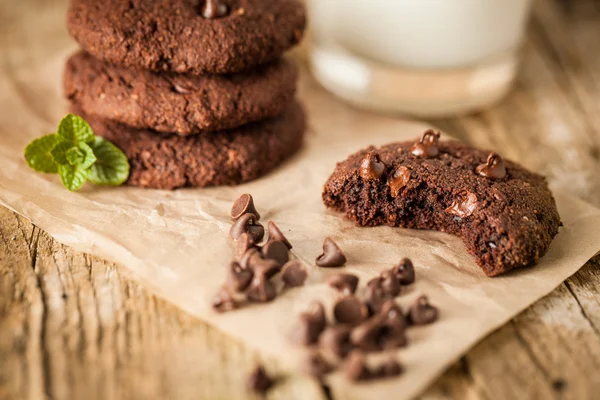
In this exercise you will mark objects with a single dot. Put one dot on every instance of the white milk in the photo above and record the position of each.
(384, 53)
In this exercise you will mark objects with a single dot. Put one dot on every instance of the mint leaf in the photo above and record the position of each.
(75, 130)
(111, 166)
(89, 158)
(75, 156)
(59, 152)
(37, 154)
(72, 176)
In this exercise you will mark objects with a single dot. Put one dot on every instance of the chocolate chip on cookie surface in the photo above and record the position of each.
(176, 103)
(187, 36)
(164, 161)
(505, 214)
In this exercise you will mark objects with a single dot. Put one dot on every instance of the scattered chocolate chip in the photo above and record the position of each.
(371, 167)
(276, 234)
(316, 365)
(238, 278)
(350, 310)
(309, 326)
(404, 271)
(390, 284)
(398, 180)
(379, 333)
(294, 274)
(261, 290)
(388, 369)
(421, 312)
(242, 244)
(427, 146)
(336, 339)
(392, 312)
(249, 255)
(212, 9)
(332, 255)
(345, 283)
(493, 168)
(247, 223)
(223, 301)
(243, 205)
(264, 267)
(375, 295)
(355, 367)
(276, 251)
(463, 207)
(258, 381)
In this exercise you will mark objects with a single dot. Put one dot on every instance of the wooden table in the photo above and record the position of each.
(75, 327)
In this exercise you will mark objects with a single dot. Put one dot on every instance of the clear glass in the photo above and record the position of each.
(421, 57)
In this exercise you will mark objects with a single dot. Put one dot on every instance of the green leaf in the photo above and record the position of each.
(72, 176)
(75, 130)
(75, 156)
(37, 154)
(111, 166)
(89, 157)
(60, 150)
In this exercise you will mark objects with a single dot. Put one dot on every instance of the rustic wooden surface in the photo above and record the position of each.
(75, 327)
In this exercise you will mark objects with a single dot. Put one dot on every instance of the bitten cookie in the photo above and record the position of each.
(176, 103)
(187, 36)
(505, 214)
(167, 161)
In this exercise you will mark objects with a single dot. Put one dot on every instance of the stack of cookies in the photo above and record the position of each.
(195, 93)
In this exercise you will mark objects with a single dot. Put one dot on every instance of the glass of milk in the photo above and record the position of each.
(421, 57)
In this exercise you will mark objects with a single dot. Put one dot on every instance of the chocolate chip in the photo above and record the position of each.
(276, 234)
(345, 283)
(277, 251)
(309, 326)
(392, 312)
(261, 290)
(350, 310)
(243, 205)
(332, 255)
(421, 312)
(294, 274)
(375, 295)
(238, 278)
(493, 168)
(248, 256)
(336, 340)
(398, 180)
(316, 365)
(223, 301)
(371, 167)
(258, 381)
(463, 207)
(242, 244)
(355, 367)
(212, 9)
(404, 271)
(378, 333)
(427, 146)
(388, 369)
(247, 223)
(264, 267)
(390, 284)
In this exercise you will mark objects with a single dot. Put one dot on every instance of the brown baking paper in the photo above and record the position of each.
(177, 242)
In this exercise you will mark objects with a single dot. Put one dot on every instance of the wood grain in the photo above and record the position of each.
(75, 327)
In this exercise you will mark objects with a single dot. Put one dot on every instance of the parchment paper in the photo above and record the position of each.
(177, 242)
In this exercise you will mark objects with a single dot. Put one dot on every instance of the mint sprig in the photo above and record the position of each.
(77, 155)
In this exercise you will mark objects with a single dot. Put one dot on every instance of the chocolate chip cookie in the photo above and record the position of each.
(178, 103)
(505, 214)
(168, 161)
(187, 36)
